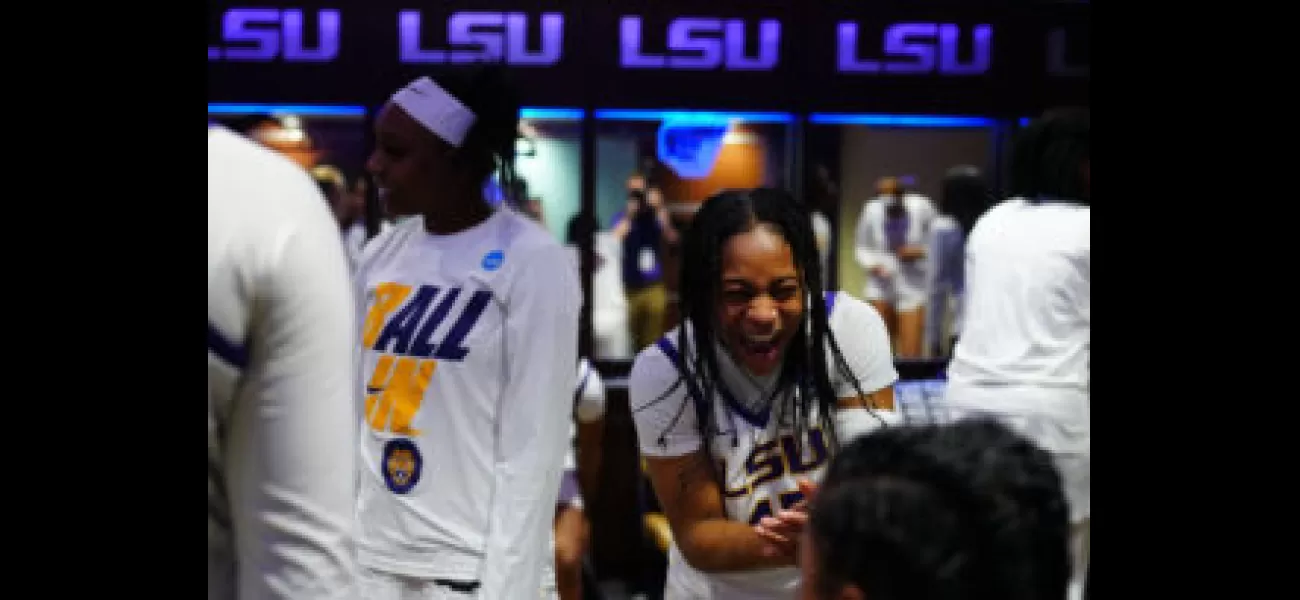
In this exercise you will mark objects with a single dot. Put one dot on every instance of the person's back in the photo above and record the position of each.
(1028, 272)
(281, 419)
(1023, 353)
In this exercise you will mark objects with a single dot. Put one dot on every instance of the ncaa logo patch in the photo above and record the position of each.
(401, 466)
(492, 260)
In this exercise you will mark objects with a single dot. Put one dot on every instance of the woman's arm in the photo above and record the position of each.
(692, 501)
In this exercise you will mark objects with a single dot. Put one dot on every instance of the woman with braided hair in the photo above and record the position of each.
(739, 409)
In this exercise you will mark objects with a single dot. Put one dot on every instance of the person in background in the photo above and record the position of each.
(965, 197)
(572, 530)
(468, 346)
(642, 229)
(282, 424)
(823, 197)
(890, 244)
(962, 511)
(533, 209)
(1025, 346)
(334, 186)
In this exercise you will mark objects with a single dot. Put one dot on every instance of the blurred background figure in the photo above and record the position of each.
(824, 194)
(572, 529)
(890, 245)
(533, 209)
(1025, 346)
(643, 228)
(964, 198)
(948, 512)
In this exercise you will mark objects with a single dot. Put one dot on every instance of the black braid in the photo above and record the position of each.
(805, 369)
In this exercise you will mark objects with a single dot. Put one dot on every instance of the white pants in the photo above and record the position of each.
(903, 291)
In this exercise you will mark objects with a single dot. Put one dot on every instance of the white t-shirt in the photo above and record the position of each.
(468, 347)
(1024, 346)
(354, 239)
(668, 427)
(281, 419)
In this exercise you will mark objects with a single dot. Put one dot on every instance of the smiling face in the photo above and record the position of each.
(762, 298)
(409, 163)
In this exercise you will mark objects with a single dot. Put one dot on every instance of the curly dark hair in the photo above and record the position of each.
(965, 511)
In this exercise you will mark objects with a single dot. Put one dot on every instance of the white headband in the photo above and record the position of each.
(435, 109)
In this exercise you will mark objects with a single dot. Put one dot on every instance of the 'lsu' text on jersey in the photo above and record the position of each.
(759, 457)
(468, 343)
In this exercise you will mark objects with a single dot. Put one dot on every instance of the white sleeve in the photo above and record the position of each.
(864, 342)
(541, 336)
(851, 423)
(666, 423)
(291, 458)
(591, 395)
(867, 248)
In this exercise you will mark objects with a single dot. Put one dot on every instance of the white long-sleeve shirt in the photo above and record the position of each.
(468, 347)
(281, 420)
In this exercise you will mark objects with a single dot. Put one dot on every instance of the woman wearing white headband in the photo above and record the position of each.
(469, 327)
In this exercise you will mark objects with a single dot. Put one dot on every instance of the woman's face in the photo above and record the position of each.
(408, 163)
(761, 298)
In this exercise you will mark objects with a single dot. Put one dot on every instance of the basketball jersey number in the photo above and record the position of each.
(786, 501)
(395, 392)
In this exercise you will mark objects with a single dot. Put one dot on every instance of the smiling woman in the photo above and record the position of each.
(739, 409)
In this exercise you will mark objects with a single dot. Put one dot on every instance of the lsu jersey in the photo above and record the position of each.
(468, 343)
(281, 420)
(758, 456)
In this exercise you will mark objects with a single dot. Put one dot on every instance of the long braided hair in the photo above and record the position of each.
(804, 370)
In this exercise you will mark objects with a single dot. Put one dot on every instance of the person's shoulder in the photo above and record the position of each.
(944, 223)
(995, 216)
(243, 173)
(389, 238)
(843, 309)
(654, 384)
(531, 249)
(525, 235)
(658, 361)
